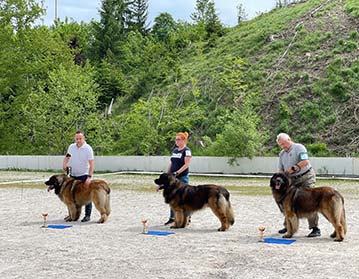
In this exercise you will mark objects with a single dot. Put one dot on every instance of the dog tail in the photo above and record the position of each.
(230, 213)
(229, 209)
(342, 217)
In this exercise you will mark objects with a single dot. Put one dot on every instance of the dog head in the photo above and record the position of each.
(164, 181)
(55, 182)
(279, 182)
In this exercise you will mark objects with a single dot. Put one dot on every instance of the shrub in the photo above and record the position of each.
(318, 149)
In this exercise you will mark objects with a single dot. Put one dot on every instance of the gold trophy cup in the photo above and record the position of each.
(44, 216)
(261, 233)
(144, 223)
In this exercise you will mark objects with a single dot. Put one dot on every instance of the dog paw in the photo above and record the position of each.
(287, 236)
(173, 227)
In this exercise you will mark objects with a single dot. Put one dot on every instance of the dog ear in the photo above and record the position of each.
(59, 180)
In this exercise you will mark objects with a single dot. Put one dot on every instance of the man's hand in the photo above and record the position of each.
(88, 181)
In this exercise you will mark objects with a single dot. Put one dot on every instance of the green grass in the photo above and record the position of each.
(352, 7)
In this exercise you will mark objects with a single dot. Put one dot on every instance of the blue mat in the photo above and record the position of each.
(159, 233)
(58, 226)
(279, 241)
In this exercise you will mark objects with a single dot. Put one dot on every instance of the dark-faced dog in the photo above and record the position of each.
(302, 202)
(185, 199)
(75, 194)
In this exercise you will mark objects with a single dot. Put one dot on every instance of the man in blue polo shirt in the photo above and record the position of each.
(82, 164)
(294, 160)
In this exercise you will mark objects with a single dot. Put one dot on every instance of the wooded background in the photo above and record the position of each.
(131, 86)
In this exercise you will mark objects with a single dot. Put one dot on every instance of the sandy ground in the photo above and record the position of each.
(118, 249)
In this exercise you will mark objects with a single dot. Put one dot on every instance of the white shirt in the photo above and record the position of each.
(80, 157)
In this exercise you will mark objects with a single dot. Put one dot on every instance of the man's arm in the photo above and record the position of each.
(92, 167)
(66, 161)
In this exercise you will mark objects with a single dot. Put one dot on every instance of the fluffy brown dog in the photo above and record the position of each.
(297, 203)
(185, 199)
(75, 194)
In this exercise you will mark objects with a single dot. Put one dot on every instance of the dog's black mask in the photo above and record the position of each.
(164, 180)
(54, 182)
(279, 182)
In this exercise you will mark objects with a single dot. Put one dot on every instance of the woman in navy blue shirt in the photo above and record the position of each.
(179, 163)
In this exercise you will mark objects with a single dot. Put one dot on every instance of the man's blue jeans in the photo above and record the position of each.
(88, 207)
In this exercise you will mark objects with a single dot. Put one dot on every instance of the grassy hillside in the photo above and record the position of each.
(299, 70)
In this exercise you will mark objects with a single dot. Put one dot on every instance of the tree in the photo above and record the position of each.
(76, 36)
(138, 12)
(240, 137)
(19, 14)
(111, 30)
(50, 115)
(163, 27)
(241, 13)
(205, 14)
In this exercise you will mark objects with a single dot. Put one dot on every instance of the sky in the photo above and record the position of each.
(85, 10)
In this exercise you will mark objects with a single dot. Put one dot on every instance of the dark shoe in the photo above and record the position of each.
(282, 231)
(314, 233)
(170, 221)
(86, 219)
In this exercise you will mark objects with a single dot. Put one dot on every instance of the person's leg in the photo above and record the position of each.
(313, 225)
(308, 180)
(88, 207)
(172, 217)
(184, 179)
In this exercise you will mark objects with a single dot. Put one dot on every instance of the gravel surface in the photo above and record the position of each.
(118, 249)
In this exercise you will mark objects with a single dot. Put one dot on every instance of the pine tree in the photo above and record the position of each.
(138, 16)
(164, 26)
(206, 15)
(111, 29)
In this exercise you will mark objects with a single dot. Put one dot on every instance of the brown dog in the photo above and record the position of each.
(75, 194)
(185, 199)
(297, 203)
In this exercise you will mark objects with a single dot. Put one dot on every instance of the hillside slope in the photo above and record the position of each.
(301, 74)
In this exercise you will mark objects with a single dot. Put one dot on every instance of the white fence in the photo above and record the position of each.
(259, 165)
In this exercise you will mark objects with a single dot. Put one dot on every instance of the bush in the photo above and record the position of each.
(318, 149)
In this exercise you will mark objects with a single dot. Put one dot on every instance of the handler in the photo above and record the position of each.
(294, 160)
(179, 164)
(82, 165)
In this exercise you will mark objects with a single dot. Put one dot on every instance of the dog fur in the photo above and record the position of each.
(300, 202)
(185, 199)
(75, 194)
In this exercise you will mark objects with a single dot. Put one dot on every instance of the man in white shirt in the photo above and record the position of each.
(81, 159)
